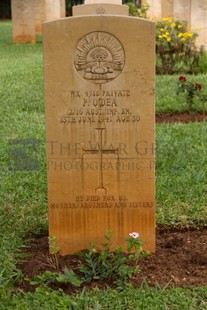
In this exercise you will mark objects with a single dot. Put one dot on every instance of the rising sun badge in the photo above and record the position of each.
(99, 57)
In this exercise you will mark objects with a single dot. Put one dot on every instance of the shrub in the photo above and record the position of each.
(138, 11)
(105, 264)
(192, 90)
(175, 48)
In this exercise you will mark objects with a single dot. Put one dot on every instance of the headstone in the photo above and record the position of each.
(23, 28)
(155, 9)
(182, 10)
(103, 1)
(199, 21)
(99, 97)
(100, 9)
(167, 8)
(38, 16)
(62, 8)
(54, 9)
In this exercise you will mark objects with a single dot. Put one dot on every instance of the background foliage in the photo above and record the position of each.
(175, 47)
(175, 41)
(5, 9)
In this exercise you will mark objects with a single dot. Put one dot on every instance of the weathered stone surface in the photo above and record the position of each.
(54, 9)
(100, 9)
(155, 9)
(103, 1)
(99, 96)
(182, 9)
(199, 21)
(167, 8)
(39, 9)
(23, 26)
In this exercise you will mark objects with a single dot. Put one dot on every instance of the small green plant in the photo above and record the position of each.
(134, 242)
(191, 90)
(48, 277)
(138, 11)
(175, 47)
(102, 264)
(54, 249)
(99, 264)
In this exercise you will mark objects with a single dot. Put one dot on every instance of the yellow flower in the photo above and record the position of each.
(180, 35)
(187, 35)
(172, 25)
(160, 36)
(168, 39)
(162, 29)
(167, 19)
(180, 26)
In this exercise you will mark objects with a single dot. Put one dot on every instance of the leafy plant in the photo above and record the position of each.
(54, 249)
(175, 47)
(134, 242)
(99, 265)
(68, 276)
(102, 264)
(191, 91)
(140, 11)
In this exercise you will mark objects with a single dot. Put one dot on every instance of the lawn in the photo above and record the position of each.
(181, 191)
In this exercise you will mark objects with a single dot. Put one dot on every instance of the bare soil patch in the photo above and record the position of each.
(181, 118)
(180, 261)
(180, 258)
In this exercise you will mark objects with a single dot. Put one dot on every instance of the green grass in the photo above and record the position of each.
(167, 101)
(181, 174)
(144, 298)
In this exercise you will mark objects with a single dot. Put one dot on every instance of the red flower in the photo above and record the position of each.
(198, 86)
(182, 78)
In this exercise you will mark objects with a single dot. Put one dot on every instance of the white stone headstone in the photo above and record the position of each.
(103, 1)
(38, 18)
(54, 9)
(99, 74)
(167, 8)
(199, 21)
(23, 21)
(182, 9)
(155, 9)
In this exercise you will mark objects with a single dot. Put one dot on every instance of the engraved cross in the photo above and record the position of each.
(100, 151)
(23, 28)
